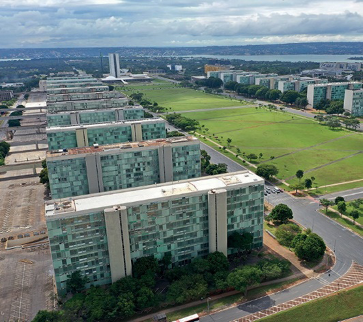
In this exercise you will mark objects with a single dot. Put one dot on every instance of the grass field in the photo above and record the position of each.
(294, 142)
(343, 305)
(177, 98)
(350, 208)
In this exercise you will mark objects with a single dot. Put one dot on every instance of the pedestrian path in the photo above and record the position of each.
(354, 276)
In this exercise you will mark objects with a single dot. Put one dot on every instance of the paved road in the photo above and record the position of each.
(348, 194)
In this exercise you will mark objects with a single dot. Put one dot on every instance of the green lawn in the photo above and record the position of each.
(351, 208)
(343, 305)
(176, 98)
(341, 187)
(343, 221)
(285, 137)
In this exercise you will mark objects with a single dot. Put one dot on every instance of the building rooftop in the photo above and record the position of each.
(102, 125)
(121, 146)
(134, 196)
(100, 101)
(76, 88)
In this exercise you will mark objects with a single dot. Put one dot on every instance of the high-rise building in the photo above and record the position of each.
(91, 104)
(114, 62)
(330, 91)
(127, 113)
(102, 235)
(353, 101)
(78, 136)
(81, 171)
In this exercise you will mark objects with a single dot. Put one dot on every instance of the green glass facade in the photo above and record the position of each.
(80, 243)
(66, 138)
(179, 224)
(122, 168)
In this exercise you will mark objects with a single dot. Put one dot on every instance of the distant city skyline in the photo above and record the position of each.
(90, 23)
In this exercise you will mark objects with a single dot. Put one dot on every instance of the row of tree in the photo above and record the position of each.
(342, 206)
(334, 122)
(129, 295)
(182, 122)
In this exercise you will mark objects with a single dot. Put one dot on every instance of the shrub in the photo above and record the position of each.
(286, 233)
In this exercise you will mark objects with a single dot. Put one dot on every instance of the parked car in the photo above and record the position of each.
(3, 240)
(27, 235)
(20, 236)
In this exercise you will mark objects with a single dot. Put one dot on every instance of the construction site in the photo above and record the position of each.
(26, 277)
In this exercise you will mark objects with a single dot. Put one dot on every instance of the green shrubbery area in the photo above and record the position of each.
(155, 286)
(4, 150)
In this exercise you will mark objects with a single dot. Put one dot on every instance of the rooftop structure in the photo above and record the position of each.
(101, 235)
(95, 169)
(67, 137)
(69, 90)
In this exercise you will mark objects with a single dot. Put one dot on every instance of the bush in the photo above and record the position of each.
(286, 233)
(309, 248)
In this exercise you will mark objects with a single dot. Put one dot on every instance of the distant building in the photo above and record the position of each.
(341, 66)
(77, 136)
(70, 90)
(176, 68)
(330, 91)
(11, 85)
(102, 235)
(6, 95)
(68, 118)
(94, 169)
(82, 96)
(213, 68)
(62, 106)
(114, 62)
(353, 101)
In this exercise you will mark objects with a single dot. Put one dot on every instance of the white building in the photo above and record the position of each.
(114, 62)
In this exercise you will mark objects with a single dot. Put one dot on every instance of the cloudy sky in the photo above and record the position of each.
(96, 23)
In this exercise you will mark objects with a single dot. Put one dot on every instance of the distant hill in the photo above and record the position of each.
(322, 48)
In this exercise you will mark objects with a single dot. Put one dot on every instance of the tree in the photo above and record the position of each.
(251, 156)
(286, 233)
(342, 207)
(260, 155)
(43, 175)
(335, 107)
(297, 186)
(166, 261)
(46, 316)
(274, 94)
(205, 159)
(240, 279)
(338, 199)
(240, 241)
(143, 265)
(289, 97)
(354, 214)
(299, 174)
(309, 248)
(76, 282)
(281, 213)
(308, 183)
(333, 123)
(261, 93)
(319, 118)
(145, 298)
(326, 203)
(125, 305)
(267, 170)
(218, 262)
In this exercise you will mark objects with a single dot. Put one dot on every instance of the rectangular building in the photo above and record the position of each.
(330, 91)
(353, 102)
(102, 235)
(78, 136)
(78, 81)
(126, 113)
(82, 96)
(94, 104)
(81, 171)
(6, 95)
(114, 63)
(69, 90)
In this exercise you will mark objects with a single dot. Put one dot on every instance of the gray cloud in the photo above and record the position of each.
(63, 23)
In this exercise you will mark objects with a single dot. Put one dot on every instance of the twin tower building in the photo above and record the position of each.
(122, 190)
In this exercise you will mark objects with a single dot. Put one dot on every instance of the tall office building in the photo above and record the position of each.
(78, 136)
(114, 62)
(95, 169)
(353, 102)
(102, 235)
(91, 116)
